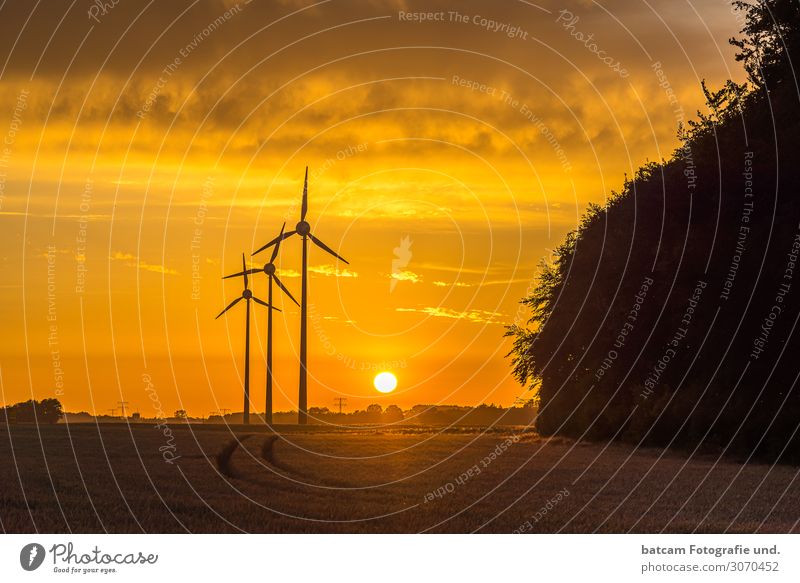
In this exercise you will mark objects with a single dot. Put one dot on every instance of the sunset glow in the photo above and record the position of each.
(444, 166)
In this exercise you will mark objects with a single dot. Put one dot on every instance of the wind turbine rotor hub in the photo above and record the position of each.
(269, 268)
(303, 228)
(247, 294)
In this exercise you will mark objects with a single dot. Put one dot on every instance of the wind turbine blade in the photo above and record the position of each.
(274, 241)
(278, 244)
(265, 304)
(233, 303)
(323, 246)
(305, 198)
(286, 291)
(244, 271)
(255, 270)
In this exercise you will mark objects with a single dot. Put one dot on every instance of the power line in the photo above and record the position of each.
(341, 401)
(122, 405)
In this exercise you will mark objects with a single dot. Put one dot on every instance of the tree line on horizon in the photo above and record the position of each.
(50, 411)
(668, 315)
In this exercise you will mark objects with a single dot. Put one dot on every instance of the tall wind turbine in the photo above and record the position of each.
(269, 269)
(247, 295)
(304, 230)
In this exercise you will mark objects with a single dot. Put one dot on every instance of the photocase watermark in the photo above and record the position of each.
(569, 21)
(67, 560)
(784, 287)
(169, 449)
(663, 82)
(347, 152)
(522, 108)
(84, 207)
(689, 170)
(52, 322)
(330, 349)
(9, 140)
(630, 320)
(197, 234)
(474, 86)
(520, 317)
(473, 471)
(31, 556)
(527, 526)
(528, 113)
(95, 559)
(744, 229)
(495, 26)
(675, 342)
(171, 68)
(402, 257)
(100, 8)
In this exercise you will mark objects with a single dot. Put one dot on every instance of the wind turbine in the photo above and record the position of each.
(269, 269)
(303, 229)
(247, 295)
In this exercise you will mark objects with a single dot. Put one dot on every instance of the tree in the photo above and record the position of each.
(392, 414)
(615, 297)
(180, 414)
(46, 411)
(49, 411)
(771, 40)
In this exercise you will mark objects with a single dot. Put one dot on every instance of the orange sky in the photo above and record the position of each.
(144, 148)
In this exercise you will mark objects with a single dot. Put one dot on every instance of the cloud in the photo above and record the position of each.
(132, 261)
(33, 215)
(482, 283)
(331, 271)
(461, 269)
(288, 273)
(338, 319)
(406, 275)
(327, 270)
(478, 316)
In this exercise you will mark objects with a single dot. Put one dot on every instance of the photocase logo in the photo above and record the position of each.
(31, 556)
(402, 255)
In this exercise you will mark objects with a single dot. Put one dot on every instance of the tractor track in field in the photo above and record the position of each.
(280, 469)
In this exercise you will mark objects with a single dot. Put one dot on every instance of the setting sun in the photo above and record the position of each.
(385, 382)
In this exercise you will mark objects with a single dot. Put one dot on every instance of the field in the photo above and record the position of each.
(118, 478)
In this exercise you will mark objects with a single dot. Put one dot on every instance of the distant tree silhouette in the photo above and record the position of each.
(440, 415)
(180, 414)
(50, 411)
(45, 411)
(392, 414)
(648, 325)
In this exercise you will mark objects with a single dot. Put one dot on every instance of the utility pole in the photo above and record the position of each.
(122, 405)
(113, 412)
(341, 401)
